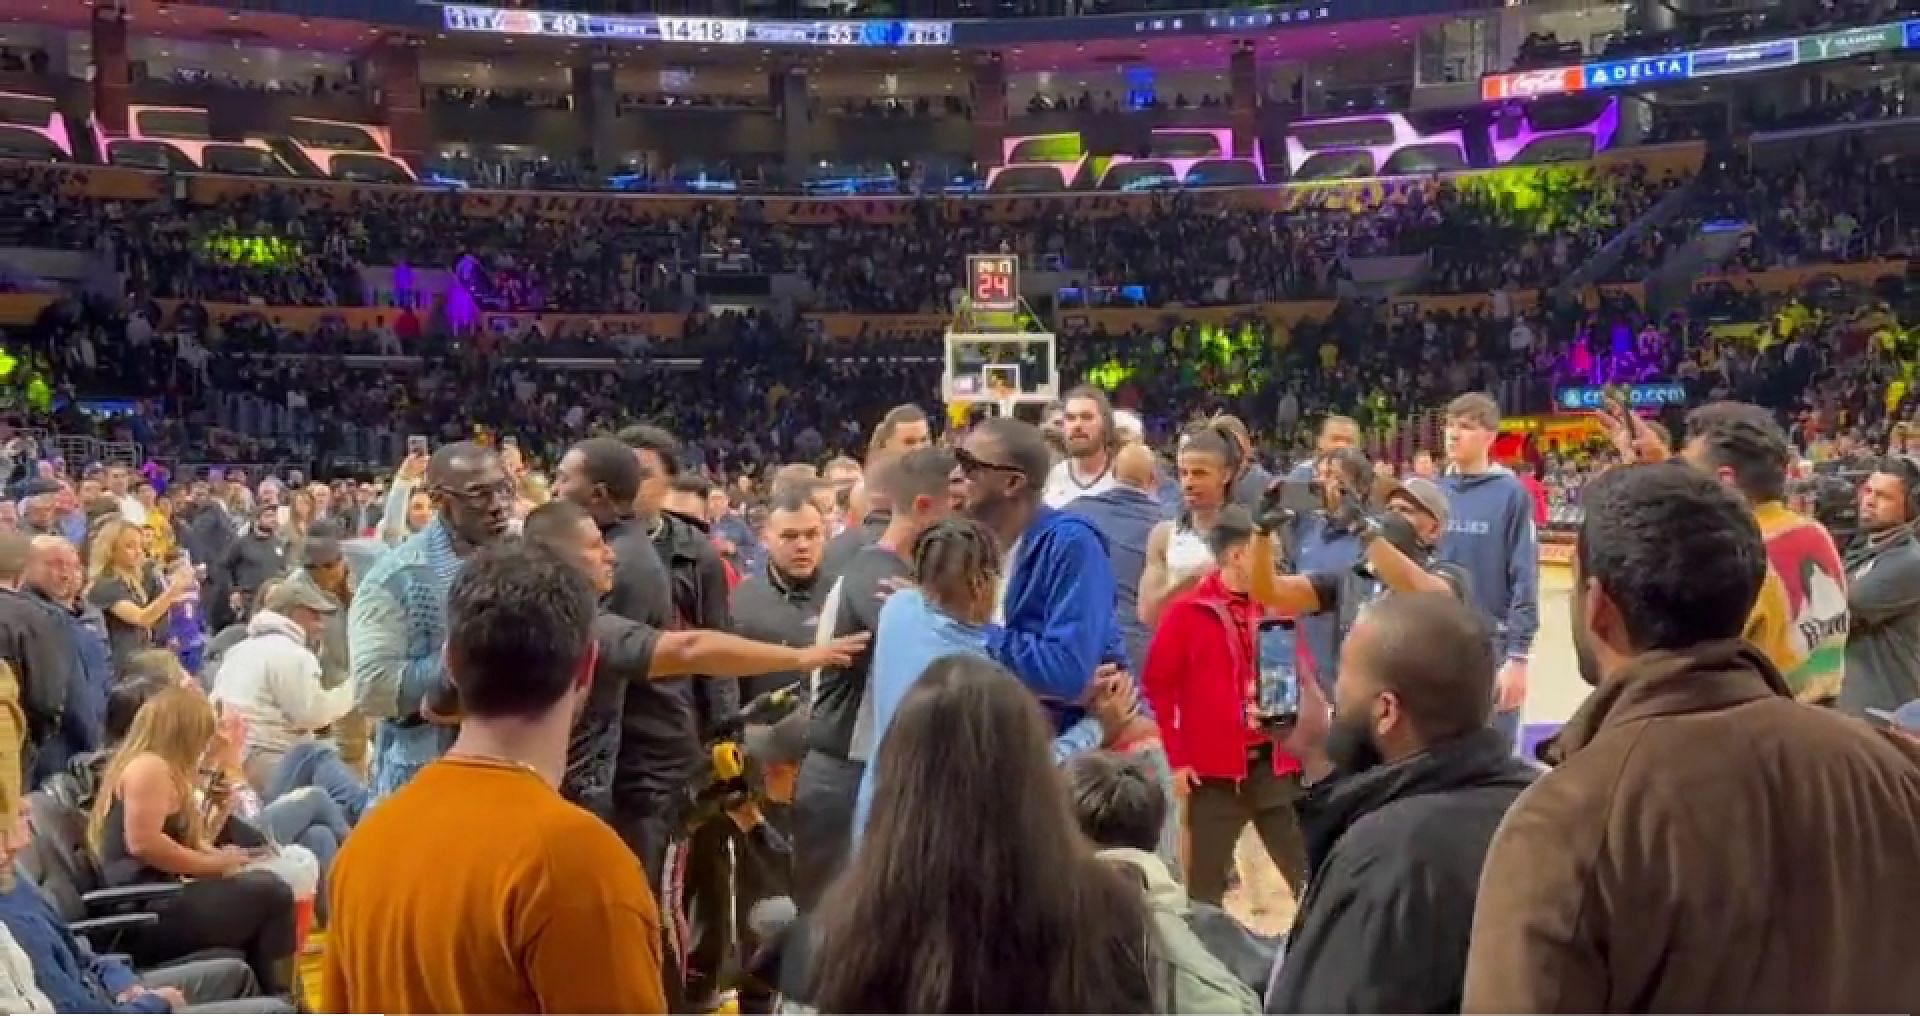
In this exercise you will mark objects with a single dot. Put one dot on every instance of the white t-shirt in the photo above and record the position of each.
(1063, 486)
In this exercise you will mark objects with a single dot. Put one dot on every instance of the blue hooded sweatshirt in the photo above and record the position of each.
(1490, 535)
(1125, 518)
(1058, 615)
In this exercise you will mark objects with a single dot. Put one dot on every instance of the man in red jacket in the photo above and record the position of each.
(1200, 681)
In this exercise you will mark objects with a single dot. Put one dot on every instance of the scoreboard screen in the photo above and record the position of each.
(993, 282)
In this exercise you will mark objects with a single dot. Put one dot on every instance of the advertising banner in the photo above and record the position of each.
(1758, 56)
(1647, 395)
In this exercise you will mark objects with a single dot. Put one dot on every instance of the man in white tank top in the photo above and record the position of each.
(1087, 424)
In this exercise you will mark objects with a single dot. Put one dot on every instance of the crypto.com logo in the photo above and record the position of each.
(1530, 84)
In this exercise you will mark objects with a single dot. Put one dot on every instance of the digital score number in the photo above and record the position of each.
(993, 282)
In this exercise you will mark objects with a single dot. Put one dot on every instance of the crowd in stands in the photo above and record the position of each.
(279, 566)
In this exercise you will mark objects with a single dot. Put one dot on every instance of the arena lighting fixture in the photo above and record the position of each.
(140, 127)
(1404, 136)
(1067, 166)
(379, 144)
(1602, 130)
(20, 111)
(1183, 166)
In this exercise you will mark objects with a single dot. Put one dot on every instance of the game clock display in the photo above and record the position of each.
(993, 282)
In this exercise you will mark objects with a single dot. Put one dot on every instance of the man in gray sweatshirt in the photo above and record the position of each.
(1883, 593)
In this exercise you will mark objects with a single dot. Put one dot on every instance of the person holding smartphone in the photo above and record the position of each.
(1203, 680)
(1397, 555)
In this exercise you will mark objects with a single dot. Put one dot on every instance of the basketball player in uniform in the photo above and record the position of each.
(1088, 431)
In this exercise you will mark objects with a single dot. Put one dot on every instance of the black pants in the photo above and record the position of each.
(250, 913)
(648, 823)
(823, 802)
(759, 876)
(709, 888)
(1218, 809)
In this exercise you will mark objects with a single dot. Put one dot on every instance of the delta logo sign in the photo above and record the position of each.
(1619, 73)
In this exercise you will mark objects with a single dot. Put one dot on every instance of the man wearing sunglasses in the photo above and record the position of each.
(1056, 625)
(396, 627)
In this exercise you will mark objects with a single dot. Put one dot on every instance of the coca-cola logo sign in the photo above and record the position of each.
(1528, 84)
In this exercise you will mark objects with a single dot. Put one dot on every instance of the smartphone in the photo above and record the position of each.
(1277, 673)
(417, 444)
(1301, 497)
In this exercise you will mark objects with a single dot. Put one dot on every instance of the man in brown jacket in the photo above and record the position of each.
(1704, 843)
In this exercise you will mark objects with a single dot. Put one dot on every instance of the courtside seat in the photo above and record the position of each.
(62, 866)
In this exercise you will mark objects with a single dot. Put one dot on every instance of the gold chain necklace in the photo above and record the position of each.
(493, 761)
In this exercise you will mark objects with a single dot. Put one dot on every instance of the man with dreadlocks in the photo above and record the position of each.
(956, 571)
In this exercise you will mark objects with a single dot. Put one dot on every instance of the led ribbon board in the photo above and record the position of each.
(1703, 63)
(706, 31)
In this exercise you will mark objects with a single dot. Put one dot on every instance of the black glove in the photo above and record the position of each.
(1396, 530)
(1351, 512)
(1272, 516)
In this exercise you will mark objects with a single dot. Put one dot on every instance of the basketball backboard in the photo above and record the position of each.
(1007, 369)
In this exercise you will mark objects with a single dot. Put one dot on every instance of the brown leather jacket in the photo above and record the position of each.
(1705, 844)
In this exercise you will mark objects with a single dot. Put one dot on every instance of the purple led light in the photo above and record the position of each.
(1404, 136)
(1183, 165)
(1602, 130)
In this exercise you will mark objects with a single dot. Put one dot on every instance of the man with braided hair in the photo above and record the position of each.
(956, 571)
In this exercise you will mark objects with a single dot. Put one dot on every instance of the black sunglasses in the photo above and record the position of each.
(971, 463)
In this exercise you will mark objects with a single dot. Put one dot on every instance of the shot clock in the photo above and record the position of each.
(993, 282)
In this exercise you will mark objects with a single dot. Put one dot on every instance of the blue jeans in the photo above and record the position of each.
(308, 817)
(317, 764)
(1507, 722)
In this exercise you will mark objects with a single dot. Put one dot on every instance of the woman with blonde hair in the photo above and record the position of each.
(131, 595)
(154, 820)
(301, 514)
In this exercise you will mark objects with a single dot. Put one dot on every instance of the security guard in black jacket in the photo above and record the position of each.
(781, 604)
(698, 581)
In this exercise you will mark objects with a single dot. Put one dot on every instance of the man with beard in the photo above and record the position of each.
(1703, 842)
(1883, 593)
(397, 625)
(697, 584)
(840, 729)
(1087, 427)
(1409, 783)
(256, 556)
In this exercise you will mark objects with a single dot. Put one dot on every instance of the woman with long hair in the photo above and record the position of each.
(301, 515)
(132, 596)
(154, 820)
(973, 891)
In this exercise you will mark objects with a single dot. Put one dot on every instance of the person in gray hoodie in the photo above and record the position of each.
(1490, 535)
(1883, 593)
(1125, 515)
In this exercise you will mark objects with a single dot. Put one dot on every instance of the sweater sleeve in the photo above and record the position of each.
(1075, 582)
(1523, 574)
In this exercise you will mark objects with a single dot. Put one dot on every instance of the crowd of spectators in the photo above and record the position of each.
(1809, 205)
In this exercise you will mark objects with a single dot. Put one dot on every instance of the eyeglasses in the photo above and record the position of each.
(971, 463)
